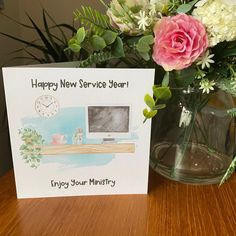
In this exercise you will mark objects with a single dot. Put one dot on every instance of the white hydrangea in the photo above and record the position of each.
(219, 17)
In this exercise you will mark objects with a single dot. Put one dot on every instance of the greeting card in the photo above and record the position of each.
(78, 131)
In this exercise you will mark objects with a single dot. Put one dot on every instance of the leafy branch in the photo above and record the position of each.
(96, 58)
(160, 93)
(225, 85)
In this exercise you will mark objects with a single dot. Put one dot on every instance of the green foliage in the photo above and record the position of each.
(232, 112)
(229, 172)
(166, 79)
(31, 147)
(97, 42)
(92, 19)
(149, 101)
(80, 35)
(225, 85)
(51, 47)
(149, 113)
(185, 8)
(117, 48)
(160, 93)
(109, 36)
(74, 46)
(96, 58)
(143, 46)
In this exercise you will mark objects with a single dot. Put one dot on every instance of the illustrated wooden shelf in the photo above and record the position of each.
(88, 149)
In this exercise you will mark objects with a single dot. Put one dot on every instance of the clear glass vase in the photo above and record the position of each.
(193, 139)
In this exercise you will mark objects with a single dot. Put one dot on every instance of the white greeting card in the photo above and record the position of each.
(78, 131)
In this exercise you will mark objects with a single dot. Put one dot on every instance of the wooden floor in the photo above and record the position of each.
(169, 209)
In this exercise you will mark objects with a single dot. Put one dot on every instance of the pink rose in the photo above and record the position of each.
(179, 41)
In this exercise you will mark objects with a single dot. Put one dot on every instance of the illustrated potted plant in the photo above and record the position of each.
(193, 49)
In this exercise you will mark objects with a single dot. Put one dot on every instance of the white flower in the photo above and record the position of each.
(152, 10)
(219, 18)
(143, 20)
(207, 85)
(206, 60)
(200, 74)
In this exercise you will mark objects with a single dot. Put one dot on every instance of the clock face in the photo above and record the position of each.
(46, 106)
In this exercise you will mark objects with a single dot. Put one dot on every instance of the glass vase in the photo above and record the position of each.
(193, 138)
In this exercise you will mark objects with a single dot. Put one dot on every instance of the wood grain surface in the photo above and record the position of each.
(88, 148)
(169, 209)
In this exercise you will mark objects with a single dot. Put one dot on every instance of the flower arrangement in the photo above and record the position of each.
(192, 44)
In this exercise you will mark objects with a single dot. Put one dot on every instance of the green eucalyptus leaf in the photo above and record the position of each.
(143, 47)
(118, 48)
(147, 39)
(149, 101)
(97, 42)
(166, 79)
(80, 35)
(149, 114)
(109, 36)
(73, 45)
(159, 107)
(162, 93)
(145, 55)
(133, 40)
(184, 8)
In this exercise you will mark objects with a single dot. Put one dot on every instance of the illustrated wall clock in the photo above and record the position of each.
(46, 106)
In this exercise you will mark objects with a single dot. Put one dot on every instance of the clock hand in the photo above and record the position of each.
(49, 104)
(44, 105)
